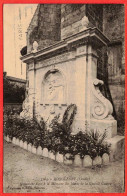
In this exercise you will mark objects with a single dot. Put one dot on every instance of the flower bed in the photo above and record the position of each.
(87, 161)
(82, 149)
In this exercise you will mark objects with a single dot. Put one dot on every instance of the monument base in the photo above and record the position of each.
(106, 125)
(117, 147)
(110, 126)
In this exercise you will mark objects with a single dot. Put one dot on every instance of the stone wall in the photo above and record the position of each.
(113, 28)
(94, 12)
(72, 14)
(45, 26)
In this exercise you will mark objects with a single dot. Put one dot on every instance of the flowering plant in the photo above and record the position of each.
(60, 139)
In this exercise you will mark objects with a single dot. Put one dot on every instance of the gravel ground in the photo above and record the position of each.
(25, 172)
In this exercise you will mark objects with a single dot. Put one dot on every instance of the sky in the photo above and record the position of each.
(16, 19)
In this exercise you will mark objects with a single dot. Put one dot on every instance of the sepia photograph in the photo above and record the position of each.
(63, 98)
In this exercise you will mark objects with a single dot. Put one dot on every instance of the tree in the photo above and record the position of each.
(12, 92)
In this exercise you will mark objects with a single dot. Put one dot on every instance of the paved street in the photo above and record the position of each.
(25, 172)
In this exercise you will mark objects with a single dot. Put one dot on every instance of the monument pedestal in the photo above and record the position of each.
(66, 73)
(108, 126)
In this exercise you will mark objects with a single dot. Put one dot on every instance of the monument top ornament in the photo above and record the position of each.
(35, 46)
(85, 22)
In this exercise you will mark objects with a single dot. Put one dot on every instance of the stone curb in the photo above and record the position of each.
(77, 162)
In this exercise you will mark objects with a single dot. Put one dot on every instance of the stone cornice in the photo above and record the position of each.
(90, 36)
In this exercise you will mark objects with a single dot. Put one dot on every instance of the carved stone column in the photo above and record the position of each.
(29, 102)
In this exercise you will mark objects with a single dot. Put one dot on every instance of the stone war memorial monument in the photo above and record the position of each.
(62, 63)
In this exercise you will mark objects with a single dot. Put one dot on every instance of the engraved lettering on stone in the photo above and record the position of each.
(53, 60)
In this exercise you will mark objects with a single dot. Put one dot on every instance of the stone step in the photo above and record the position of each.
(117, 149)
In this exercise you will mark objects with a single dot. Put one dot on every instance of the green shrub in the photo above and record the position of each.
(60, 138)
(26, 130)
(12, 93)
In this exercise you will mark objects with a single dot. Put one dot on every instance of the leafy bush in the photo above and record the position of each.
(12, 92)
(61, 130)
(83, 143)
(60, 139)
(26, 130)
